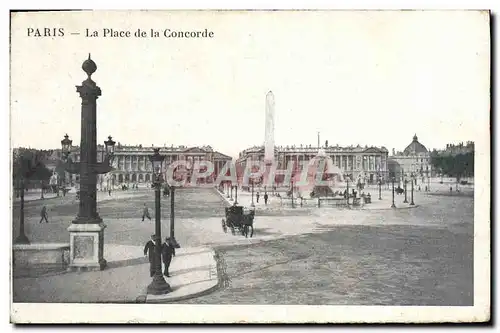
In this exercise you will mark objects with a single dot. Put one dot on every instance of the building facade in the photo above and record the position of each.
(456, 149)
(131, 164)
(414, 160)
(369, 163)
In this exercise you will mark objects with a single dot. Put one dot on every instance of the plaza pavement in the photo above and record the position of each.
(193, 270)
(198, 225)
(274, 222)
(193, 273)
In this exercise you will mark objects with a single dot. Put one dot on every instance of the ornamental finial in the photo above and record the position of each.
(89, 66)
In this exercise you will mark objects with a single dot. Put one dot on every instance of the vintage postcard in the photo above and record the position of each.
(250, 166)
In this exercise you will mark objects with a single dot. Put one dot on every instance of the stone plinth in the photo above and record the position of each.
(87, 246)
(45, 254)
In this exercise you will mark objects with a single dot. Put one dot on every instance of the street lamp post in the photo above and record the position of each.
(172, 214)
(158, 286)
(253, 205)
(412, 203)
(231, 199)
(22, 238)
(347, 178)
(380, 189)
(227, 190)
(293, 205)
(393, 204)
(26, 165)
(428, 180)
(406, 187)
(235, 194)
(87, 229)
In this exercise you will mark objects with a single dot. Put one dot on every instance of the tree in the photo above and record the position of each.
(28, 164)
(457, 166)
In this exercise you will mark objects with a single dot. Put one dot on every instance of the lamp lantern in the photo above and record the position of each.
(157, 161)
(66, 144)
(110, 146)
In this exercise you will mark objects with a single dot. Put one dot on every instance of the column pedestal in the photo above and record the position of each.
(86, 247)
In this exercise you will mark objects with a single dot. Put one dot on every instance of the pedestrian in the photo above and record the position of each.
(167, 251)
(44, 215)
(265, 198)
(149, 249)
(258, 196)
(145, 213)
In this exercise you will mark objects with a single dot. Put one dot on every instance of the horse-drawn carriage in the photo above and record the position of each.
(237, 220)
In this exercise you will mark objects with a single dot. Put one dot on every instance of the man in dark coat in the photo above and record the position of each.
(167, 251)
(149, 249)
(266, 197)
(44, 215)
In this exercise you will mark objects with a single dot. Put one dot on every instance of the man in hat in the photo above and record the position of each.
(149, 249)
(167, 251)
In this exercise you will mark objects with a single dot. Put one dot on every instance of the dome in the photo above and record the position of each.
(415, 147)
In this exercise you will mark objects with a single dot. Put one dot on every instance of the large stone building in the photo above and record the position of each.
(132, 165)
(355, 162)
(456, 149)
(414, 159)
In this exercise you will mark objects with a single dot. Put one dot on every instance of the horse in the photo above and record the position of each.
(236, 219)
(247, 222)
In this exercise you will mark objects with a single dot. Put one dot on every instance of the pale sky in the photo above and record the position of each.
(368, 78)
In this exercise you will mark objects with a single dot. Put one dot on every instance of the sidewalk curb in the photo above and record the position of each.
(223, 197)
(143, 298)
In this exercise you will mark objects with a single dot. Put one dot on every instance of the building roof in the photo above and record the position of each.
(220, 156)
(310, 149)
(415, 147)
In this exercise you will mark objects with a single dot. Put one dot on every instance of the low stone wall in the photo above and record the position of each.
(43, 254)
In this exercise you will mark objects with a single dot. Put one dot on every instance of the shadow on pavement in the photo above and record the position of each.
(50, 270)
(264, 232)
(192, 253)
(37, 271)
(128, 262)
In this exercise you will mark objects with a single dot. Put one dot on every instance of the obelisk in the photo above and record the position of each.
(269, 136)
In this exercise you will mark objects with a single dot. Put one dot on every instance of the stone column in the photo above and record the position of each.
(87, 230)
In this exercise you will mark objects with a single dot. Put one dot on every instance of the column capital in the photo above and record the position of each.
(88, 90)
